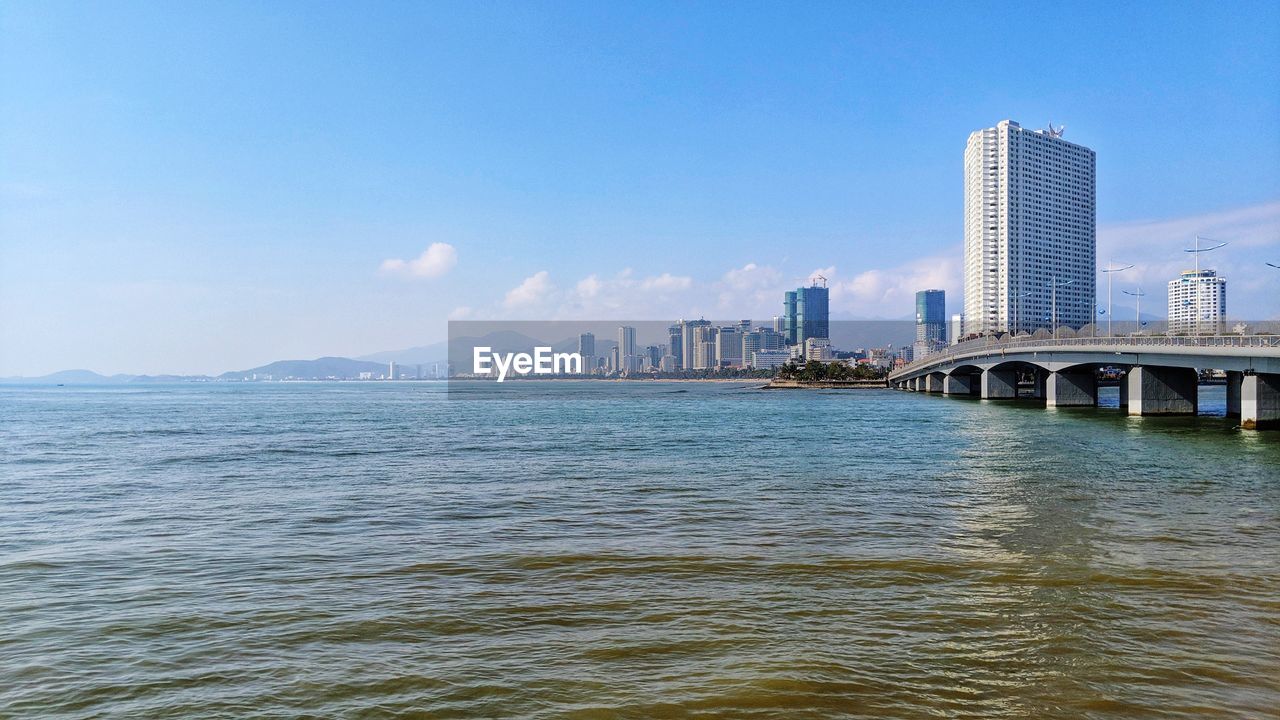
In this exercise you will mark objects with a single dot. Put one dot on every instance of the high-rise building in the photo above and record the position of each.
(789, 328)
(956, 331)
(704, 346)
(626, 341)
(688, 348)
(761, 340)
(1029, 229)
(675, 336)
(931, 322)
(806, 314)
(729, 346)
(587, 349)
(931, 317)
(653, 354)
(1198, 302)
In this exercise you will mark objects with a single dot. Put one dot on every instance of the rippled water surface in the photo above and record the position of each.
(602, 550)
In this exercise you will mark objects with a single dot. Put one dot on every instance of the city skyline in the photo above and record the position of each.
(197, 211)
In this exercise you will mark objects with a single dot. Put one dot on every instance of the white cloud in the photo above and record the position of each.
(436, 260)
(624, 296)
(533, 291)
(462, 312)
(589, 286)
(751, 291)
(1157, 249)
(667, 281)
(891, 293)
(755, 291)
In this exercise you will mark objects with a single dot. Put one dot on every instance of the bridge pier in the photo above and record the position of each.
(1235, 383)
(1071, 389)
(1156, 390)
(957, 385)
(933, 382)
(999, 384)
(1259, 400)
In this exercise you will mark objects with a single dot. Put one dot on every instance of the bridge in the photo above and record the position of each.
(1160, 372)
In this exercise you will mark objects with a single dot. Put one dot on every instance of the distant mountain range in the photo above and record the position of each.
(329, 368)
(423, 354)
(73, 377)
(325, 368)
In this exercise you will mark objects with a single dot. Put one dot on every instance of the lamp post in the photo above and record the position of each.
(1137, 315)
(1016, 303)
(1196, 251)
(1057, 285)
(1109, 270)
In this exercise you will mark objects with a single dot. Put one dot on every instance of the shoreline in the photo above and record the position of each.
(827, 385)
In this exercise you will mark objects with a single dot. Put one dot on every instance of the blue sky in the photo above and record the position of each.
(202, 187)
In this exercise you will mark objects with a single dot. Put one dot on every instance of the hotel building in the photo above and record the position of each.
(1029, 227)
(1197, 302)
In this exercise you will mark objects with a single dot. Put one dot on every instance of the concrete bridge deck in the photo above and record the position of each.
(1160, 373)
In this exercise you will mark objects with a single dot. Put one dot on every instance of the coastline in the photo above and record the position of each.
(827, 384)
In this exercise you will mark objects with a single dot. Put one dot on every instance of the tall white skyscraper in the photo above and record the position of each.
(626, 341)
(688, 343)
(1198, 302)
(1029, 224)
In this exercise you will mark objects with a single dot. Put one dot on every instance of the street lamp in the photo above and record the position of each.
(1137, 315)
(1057, 285)
(1016, 298)
(1196, 251)
(1109, 270)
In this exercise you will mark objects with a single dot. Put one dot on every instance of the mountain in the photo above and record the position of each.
(420, 355)
(318, 369)
(70, 377)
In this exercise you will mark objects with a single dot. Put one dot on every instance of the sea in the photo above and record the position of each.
(560, 549)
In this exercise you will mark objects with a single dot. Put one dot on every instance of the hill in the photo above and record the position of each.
(319, 369)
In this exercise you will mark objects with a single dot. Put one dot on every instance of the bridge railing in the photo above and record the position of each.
(1005, 342)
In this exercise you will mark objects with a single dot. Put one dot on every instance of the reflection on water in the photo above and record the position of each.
(629, 550)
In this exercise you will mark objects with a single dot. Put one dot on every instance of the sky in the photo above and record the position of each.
(201, 187)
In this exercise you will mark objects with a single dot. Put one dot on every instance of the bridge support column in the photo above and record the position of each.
(957, 385)
(1260, 401)
(1235, 381)
(1071, 389)
(1162, 390)
(933, 382)
(916, 384)
(999, 384)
